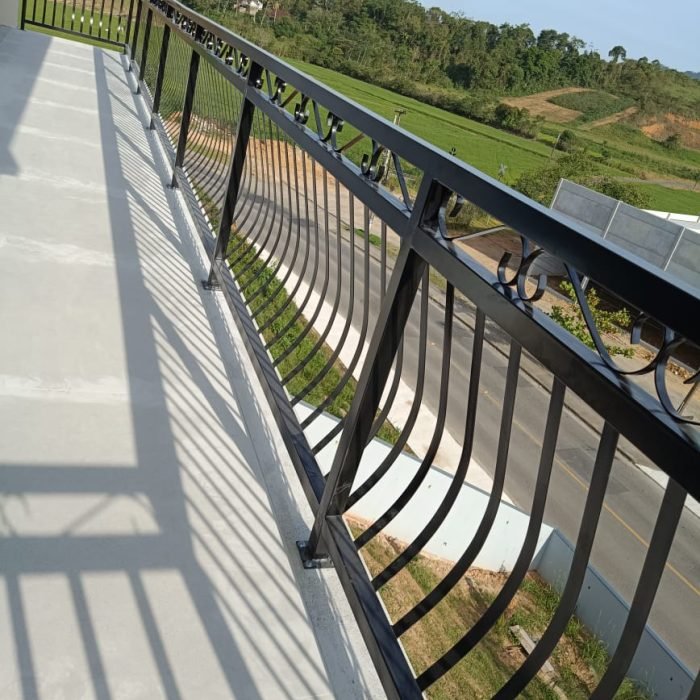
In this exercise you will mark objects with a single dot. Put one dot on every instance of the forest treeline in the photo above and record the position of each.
(451, 61)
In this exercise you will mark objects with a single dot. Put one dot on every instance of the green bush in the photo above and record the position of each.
(607, 322)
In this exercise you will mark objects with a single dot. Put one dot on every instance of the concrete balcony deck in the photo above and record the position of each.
(147, 517)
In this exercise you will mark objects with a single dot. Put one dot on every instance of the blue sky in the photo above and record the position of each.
(669, 31)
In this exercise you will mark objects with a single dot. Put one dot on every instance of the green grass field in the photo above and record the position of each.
(479, 145)
(592, 105)
(677, 201)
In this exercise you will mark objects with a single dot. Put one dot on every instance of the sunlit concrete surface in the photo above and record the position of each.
(147, 516)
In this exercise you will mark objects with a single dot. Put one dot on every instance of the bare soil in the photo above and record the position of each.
(614, 118)
(661, 129)
(538, 104)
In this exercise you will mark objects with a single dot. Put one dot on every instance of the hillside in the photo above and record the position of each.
(451, 61)
(615, 151)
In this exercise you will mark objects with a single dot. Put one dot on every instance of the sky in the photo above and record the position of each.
(669, 31)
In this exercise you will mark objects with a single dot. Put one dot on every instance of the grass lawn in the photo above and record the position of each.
(676, 201)
(479, 145)
(579, 658)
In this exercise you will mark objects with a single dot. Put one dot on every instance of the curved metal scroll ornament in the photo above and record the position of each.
(301, 110)
(278, 90)
(519, 278)
(370, 166)
(335, 126)
(243, 65)
(658, 364)
(439, 220)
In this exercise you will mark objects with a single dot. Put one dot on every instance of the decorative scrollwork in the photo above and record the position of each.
(370, 166)
(519, 279)
(278, 90)
(335, 126)
(658, 364)
(243, 65)
(301, 110)
(435, 217)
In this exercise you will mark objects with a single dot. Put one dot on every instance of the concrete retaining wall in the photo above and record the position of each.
(604, 612)
(9, 13)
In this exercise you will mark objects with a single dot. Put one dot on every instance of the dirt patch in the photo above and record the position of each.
(669, 124)
(539, 105)
(614, 118)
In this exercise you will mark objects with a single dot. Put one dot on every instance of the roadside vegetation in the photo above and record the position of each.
(579, 659)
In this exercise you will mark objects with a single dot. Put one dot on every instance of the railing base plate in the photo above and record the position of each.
(211, 286)
(308, 561)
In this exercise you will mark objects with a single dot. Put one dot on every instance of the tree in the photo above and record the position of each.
(617, 53)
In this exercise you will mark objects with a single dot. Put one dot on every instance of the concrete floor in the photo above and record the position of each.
(147, 511)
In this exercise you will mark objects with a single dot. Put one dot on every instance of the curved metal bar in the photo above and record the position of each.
(338, 289)
(262, 230)
(314, 274)
(649, 579)
(281, 283)
(407, 429)
(273, 278)
(262, 248)
(584, 544)
(310, 322)
(466, 560)
(347, 376)
(291, 296)
(489, 618)
(313, 383)
(391, 395)
(460, 474)
(271, 250)
(424, 467)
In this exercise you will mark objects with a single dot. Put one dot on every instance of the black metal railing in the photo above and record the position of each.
(332, 237)
(103, 21)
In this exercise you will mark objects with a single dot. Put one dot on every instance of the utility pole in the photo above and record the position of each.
(556, 143)
(398, 113)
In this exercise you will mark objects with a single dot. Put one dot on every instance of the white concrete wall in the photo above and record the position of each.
(9, 12)
(505, 540)
(604, 612)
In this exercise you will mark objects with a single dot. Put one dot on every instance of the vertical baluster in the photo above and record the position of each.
(23, 15)
(144, 49)
(186, 114)
(161, 73)
(127, 33)
(245, 122)
(137, 24)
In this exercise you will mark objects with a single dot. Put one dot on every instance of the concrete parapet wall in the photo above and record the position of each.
(604, 612)
(9, 13)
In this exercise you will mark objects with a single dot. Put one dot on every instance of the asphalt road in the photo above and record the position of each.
(632, 498)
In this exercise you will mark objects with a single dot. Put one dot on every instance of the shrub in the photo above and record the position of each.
(571, 318)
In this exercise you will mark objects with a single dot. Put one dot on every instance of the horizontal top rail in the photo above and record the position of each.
(668, 299)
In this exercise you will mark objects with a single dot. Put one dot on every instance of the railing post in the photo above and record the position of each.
(161, 73)
(186, 114)
(127, 33)
(245, 123)
(393, 316)
(137, 24)
(144, 51)
(23, 14)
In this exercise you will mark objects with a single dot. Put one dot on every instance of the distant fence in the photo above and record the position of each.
(666, 244)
